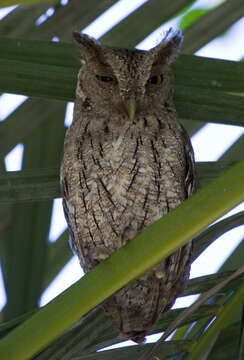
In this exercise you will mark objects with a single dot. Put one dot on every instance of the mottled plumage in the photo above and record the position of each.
(127, 162)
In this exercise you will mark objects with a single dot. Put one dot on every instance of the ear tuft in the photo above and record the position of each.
(84, 39)
(169, 47)
(88, 45)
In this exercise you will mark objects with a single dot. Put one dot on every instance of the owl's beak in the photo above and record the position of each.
(130, 107)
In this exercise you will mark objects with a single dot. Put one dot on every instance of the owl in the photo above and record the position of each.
(127, 162)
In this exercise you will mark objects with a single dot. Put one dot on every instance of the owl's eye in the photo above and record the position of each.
(155, 80)
(104, 78)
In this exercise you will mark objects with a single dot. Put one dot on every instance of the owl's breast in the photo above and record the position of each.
(142, 177)
(117, 187)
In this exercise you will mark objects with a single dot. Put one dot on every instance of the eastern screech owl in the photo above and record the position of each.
(127, 162)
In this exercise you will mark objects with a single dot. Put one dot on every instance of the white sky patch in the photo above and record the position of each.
(205, 4)
(119, 345)
(184, 301)
(64, 2)
(55, 39)
(215, 255)
(44, 16)
(212, 140)
(58, 222)
(57, 218)
(69, 114)
(8, 103)
(4, 11)
(3, 298)
(112, 17)
(71, 273)
(13, 161)
(226, 47)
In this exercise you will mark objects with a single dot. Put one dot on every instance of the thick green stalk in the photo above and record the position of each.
(131, 261)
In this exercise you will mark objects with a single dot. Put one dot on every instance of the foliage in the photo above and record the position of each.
(207, 90)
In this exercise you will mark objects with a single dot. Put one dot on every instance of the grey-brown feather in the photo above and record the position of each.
(119, 175)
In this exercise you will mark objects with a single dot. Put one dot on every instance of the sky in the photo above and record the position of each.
(226, 47)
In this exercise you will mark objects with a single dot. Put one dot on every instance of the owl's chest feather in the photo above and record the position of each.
(135, 161)
(117, 186)
(131, 174)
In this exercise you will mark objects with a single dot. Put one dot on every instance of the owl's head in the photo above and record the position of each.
(129, 81)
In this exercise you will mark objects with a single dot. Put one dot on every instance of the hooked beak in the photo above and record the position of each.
(130, 107)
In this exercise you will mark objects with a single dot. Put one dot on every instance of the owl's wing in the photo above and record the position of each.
(190, 174)
(71, 234)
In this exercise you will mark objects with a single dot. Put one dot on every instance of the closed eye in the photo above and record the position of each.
(155, 79)
(105, 78)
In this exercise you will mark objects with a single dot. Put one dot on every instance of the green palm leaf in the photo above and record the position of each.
(206, 90)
